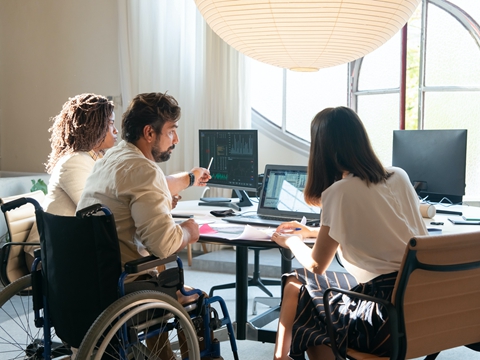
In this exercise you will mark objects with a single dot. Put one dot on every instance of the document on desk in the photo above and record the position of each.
(240, 232)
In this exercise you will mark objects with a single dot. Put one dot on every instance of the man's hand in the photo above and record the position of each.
(175, 199)
(191, 232)
(202, 176)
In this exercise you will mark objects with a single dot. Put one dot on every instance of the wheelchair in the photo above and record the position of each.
(77, 298)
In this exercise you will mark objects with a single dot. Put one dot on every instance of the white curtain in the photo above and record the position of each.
(165, 45)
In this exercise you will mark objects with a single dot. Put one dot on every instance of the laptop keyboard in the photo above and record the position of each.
(312, 222)
(265, 217)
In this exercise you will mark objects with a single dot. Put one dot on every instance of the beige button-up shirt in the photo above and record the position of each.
(135, 189)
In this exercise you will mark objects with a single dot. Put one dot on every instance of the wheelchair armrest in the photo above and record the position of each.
(147, 263)
(392, 313)
(92, 210)
(21, 244)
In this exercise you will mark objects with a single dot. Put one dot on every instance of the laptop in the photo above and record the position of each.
(281, 199)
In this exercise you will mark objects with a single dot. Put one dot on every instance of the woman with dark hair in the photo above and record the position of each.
(81, 133)
(369, 213)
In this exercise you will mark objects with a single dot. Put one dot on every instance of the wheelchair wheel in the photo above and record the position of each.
(142, 325)
(19, 338)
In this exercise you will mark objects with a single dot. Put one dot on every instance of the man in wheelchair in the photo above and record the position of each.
(130, 183)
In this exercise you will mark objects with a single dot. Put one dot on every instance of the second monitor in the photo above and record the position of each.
(435, 161)
(233, 158)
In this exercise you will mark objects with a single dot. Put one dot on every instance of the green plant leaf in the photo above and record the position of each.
(39, 185)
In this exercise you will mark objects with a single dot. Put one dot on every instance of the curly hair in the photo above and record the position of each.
(81, 126)
(148, 109)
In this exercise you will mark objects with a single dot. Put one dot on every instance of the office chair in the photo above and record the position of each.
(255, 280)
(434, 305)
(13, 264)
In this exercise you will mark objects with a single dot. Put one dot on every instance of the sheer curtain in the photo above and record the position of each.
(165, 45)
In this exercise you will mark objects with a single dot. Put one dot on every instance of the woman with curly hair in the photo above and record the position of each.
(81, 133)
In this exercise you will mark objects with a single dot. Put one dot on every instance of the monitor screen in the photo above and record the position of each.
(435, 161)
(235, 158)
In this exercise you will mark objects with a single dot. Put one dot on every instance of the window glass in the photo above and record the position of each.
(381, 68)
(379, 114)
(267, 90)
(471, 7)
(458, 110)
(309, 93)
(452, 56)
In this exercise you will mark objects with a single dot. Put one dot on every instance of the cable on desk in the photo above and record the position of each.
(445, 202)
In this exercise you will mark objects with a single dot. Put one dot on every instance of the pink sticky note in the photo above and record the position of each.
(206, 229)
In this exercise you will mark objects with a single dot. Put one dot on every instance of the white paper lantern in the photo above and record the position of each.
(306, 35)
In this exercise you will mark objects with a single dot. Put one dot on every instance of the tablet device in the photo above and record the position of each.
(463, 222)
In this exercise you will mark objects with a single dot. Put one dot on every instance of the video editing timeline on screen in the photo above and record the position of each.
(234, 156)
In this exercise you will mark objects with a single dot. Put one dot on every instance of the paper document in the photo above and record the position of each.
(240, 232)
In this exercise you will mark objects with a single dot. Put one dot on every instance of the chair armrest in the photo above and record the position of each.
(147, 263)
(392, 313)
(21, 244)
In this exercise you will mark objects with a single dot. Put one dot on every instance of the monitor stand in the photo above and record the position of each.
(243, 200)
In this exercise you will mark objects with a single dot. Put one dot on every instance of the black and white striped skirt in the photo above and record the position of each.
(360, 324)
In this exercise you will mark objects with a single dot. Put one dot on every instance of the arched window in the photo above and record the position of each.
(442, 76)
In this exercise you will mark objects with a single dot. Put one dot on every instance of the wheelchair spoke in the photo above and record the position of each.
(19, 338)
(141, 326)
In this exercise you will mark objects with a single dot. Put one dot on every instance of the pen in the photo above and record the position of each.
(291, 230)
(210, 164)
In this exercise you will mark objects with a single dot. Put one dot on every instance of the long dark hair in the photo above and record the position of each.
(339, 143)
(148, 109)
(82, 124)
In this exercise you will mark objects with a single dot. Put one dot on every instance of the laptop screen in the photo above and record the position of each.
(282, 192)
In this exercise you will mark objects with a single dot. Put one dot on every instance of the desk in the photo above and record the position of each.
(244, 330)
(252, 330)
(448, 227)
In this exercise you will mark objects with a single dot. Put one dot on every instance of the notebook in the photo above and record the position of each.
(281, 199)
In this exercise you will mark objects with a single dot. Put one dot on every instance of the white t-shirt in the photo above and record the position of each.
(135, 189)
(372, 224)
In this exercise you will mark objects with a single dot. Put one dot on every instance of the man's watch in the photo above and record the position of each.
(192, 179)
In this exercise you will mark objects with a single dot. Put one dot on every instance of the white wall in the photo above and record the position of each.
(271, 152)
(50, 50)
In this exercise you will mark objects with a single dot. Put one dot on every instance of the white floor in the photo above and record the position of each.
(250, 350)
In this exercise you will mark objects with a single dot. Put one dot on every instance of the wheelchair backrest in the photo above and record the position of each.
(80, 266)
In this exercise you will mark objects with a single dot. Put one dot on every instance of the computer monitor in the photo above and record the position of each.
(435, 161)
(233, 159)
